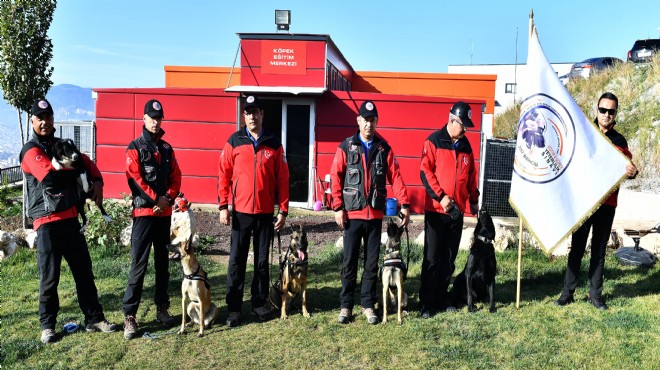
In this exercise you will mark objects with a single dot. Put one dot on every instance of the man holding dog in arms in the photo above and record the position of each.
(254, 171)
(154, 178)
(51, 203)
(600, 221)
(362, 165)
(450, 178)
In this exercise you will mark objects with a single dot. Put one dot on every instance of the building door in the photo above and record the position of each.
(298, 140)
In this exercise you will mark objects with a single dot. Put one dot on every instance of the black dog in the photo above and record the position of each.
(478, 277)
(66, 155)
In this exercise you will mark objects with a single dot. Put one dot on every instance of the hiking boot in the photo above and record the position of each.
(48, 336)
(599, 303)
(370, 315)
(345, 315)
(425, 313)
(130, 327)
(262, 313)
(564, 299)
(163, 316)
(233, 319)
(102, 326)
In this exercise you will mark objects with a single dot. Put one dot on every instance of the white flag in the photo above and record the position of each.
(564, 167)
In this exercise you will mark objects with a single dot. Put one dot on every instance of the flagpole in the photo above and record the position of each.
(520, 230)
(520, 243)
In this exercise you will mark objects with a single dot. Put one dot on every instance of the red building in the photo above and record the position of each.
(311, 96)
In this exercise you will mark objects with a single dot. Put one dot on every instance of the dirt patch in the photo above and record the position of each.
(320, 226)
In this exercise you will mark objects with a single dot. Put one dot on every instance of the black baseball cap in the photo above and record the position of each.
(368, 109)
(153, 109)
(251, 101)
(41, 105)
(463, 111)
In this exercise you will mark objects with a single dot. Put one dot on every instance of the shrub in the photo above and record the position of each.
(103, 236)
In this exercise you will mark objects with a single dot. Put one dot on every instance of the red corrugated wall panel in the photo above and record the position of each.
(197, 124)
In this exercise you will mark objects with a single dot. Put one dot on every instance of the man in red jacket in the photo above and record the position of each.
(600, 221)
(51, 200)
(450, 178)
(254, 171)
(154, 178)
(362, 165)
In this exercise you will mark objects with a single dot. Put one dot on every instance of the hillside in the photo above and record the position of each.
(638, 118)
(71, 102)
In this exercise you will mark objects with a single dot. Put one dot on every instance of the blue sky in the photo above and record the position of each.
(122, 43)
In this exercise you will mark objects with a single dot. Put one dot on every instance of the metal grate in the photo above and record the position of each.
(498, 169)
(81, 132)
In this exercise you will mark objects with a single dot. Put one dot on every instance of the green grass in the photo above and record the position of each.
(537, 335)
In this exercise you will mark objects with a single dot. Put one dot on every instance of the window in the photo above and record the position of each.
(510, 88)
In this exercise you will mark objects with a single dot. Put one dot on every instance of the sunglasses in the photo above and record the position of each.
(602, 110)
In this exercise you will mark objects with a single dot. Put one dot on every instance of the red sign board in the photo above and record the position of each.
(283, 57)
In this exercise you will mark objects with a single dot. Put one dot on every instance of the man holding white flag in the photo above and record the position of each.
(600, 222)
(564, 167)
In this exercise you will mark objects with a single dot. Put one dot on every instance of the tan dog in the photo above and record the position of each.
(294, 272)
(393, 273)
(195, 286)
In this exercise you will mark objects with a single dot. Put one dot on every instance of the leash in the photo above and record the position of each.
(148, 335)
(272, 247)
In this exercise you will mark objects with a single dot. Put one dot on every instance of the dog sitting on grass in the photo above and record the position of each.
(393, 273)
(293, 275)
(477, 280)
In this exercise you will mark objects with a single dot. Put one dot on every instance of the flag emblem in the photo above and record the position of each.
(546, 139)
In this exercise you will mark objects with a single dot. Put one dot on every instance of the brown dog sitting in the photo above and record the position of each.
(293, 279)
(195, 286)
(393, 272)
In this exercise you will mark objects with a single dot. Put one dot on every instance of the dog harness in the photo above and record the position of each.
(396, 262)
(196, 276)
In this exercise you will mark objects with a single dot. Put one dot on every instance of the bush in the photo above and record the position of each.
(103, 236)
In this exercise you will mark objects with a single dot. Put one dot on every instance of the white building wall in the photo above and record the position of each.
(506, 74)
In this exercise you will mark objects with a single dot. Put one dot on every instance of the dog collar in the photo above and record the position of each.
(484, 239)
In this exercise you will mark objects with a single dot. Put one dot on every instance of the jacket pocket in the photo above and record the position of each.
(57, 200)
(353, 176)
(377, 198)
(352, 199)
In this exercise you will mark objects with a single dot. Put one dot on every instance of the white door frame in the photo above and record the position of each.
(312, 122)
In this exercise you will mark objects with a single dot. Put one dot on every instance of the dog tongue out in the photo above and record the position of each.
(301, 255)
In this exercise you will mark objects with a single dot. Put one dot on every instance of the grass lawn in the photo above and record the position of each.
(538, 335)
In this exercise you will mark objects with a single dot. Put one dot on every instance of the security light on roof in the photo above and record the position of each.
(282, 19)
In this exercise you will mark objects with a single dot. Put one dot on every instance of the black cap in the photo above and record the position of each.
(154, 109)
(41, 105)
(463, 111)
(251, 101)
(368, 109)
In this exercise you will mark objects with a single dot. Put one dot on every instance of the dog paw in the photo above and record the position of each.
(199, 335)
(284, 317)
(306, 315)
(180, 331)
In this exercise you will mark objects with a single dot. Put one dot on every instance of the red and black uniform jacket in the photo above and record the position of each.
(353, 181)
(254, 177)
(152, 171)
(620, 142)
(448, 169)
(51, 194)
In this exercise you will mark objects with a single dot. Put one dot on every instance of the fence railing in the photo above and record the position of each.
(10, 175)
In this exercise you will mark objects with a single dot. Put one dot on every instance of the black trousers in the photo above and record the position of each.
(354, 233)
(442, 236)
(146, 231)
(57, 240)
(244, 227)
(601, 224)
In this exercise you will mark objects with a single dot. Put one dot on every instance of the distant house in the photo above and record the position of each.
(508, 76)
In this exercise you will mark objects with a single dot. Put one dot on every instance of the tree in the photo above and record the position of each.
(25, 52)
